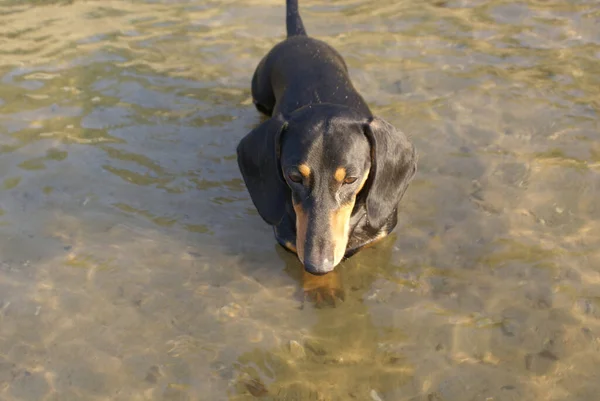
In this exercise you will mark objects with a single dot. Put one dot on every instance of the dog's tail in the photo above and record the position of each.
(293, 21)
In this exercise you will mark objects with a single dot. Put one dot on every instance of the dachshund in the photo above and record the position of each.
(322, 170)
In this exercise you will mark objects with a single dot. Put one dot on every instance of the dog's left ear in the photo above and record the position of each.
(393, 166)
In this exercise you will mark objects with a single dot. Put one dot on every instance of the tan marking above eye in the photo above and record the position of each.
(304, 170)
(340, 174)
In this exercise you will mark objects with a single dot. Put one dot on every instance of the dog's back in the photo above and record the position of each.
(302, 70)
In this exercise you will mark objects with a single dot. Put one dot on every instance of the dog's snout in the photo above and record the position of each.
(318, 258)
(319, 247)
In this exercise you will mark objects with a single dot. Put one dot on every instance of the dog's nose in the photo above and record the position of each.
(318, 269)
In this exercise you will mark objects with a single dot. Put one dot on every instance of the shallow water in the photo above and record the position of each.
(133, 265)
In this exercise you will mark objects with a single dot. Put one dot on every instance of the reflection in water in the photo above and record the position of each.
(343, 354)
(133, 265)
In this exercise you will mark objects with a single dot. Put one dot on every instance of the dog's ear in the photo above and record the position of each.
(393, 166)
(258, 160)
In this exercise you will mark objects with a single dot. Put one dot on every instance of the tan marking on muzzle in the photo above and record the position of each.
(340, 230)
(340, 225)
(304, 170)
(340, 174)
(364, 180)
(301, 226)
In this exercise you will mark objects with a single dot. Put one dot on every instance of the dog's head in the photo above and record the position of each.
(321, 158)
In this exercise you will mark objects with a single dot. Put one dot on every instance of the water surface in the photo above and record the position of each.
(133, 265)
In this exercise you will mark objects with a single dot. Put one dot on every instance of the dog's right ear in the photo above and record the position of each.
(258, 155)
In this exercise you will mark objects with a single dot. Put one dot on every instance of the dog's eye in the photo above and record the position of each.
(350, 180)
(295, 177)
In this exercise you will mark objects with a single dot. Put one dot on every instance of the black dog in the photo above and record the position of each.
(323, 171)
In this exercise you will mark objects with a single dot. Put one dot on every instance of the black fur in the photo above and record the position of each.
(319, 119)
